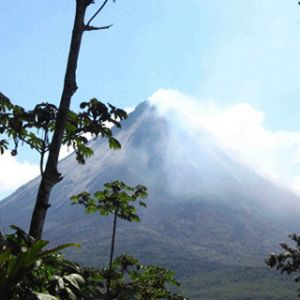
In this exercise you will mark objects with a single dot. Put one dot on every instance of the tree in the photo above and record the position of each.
(289, 260)
(28, 271)
(15, 122)
(118, 199)
(51, 176)
(125, 277)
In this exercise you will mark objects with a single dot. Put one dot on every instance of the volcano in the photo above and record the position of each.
(210, 217)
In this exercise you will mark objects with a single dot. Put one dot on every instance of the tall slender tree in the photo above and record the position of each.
(59, 125)
(51, 176)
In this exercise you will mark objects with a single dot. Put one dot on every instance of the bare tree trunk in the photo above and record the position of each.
(112, 248)
(51, 176)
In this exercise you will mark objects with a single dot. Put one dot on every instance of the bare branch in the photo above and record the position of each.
(96, 13)
(90, 28)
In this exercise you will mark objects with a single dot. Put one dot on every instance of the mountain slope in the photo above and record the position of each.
(207, 211)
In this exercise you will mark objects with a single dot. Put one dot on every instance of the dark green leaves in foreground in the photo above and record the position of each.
(131, 280)
(289, 260)
(28, 270)
(94, 120)
(35, 127)
(116, 196)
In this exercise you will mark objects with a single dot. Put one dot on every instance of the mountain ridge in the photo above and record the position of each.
(206, 211)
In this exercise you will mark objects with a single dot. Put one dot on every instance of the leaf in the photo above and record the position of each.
(83, 105)
(5, 256)
(58, 248)
(71, 295)
(136, 218)
(41, 296)
(114, 143)
(3, 146)
(60, 284)
(143, 204)
(74, 279)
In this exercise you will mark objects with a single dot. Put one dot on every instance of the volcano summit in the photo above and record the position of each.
(210, 217)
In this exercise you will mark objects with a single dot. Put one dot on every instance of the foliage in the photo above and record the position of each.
(117, 197)
(125, 277)
(27, 269)
(289, 260)
(132, 280)
(35, 127)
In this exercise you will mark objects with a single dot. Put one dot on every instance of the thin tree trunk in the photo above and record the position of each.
(51, 176)
(112, 249)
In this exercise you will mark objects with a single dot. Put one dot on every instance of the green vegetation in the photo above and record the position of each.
(237, 283)
(28, 271)
(117, 198)
(146, 282)
(289, 260)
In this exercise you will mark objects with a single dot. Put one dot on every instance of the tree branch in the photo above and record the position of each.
(96, 13)
(91, 28)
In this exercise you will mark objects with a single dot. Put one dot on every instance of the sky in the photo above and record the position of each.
(232, 65)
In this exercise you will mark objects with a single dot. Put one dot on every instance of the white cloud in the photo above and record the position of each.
(241, 128)
(14, 173)
(296, 185)
(65, 151)
(129, 109)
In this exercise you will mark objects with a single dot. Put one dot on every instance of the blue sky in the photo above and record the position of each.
(240, 57)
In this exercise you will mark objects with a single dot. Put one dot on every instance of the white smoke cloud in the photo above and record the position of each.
(240, 128)
(14, 173)
(129, 109)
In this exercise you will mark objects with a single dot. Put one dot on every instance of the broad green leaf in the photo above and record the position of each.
(59, 248)
(41, 296)
(114, 144)
(74, 279)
